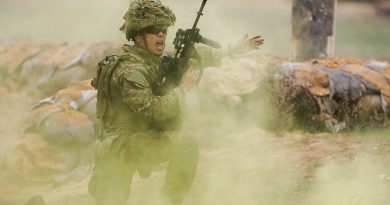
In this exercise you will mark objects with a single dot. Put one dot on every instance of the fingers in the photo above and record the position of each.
(256, 41)
(259, 42)
(248, 44)
(255, 37)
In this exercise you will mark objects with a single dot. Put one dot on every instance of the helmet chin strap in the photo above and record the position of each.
(146, 44)
(145, 47)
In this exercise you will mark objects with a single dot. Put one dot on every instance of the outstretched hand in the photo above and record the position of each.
(247, 44)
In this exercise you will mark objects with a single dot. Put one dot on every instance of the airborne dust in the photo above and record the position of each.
(247, 156)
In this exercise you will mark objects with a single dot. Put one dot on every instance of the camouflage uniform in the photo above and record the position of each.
(140, 133)
(139, 128)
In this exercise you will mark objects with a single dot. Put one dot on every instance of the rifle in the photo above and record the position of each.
(172, 68)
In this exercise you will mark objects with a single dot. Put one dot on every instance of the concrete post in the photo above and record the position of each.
(313, 26)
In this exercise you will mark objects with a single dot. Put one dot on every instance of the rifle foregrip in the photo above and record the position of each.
(210, 42)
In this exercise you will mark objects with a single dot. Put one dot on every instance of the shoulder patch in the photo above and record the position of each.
(137, 77)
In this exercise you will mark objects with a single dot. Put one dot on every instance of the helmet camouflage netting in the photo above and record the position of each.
(144, 13)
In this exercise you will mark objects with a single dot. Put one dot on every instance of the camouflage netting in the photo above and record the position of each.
(144, 13)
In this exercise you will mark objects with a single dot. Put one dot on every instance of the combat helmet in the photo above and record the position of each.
(145, 13)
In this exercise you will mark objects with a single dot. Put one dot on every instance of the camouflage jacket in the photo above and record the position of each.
(130, 104)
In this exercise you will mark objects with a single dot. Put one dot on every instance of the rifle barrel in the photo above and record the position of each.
(199, 14)
(210, 42)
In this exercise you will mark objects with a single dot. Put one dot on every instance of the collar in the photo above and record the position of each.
(146, 56)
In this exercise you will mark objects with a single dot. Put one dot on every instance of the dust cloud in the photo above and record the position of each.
(244, 157)
(246, 162)
(242, 161)
(13, 114)
(363, 181)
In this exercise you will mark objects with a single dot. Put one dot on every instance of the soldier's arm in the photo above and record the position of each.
(212, 57)
(137, 93)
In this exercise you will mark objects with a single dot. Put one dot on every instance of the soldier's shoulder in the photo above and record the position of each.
(132, 58)
(130, 55)
(128, 64)
(131, 69)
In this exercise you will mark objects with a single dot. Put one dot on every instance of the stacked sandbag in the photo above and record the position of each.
(42, 69)
(60, 118)
(33, 158)
(59, 138)
(12, 56)
(339, 93)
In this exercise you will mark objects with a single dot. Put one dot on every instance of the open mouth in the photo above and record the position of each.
(160, 44)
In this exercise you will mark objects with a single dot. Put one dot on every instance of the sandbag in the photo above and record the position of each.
(70, 56)
(348, 88)
(58, 119)
(337, 62)
(49, 67)
(378, 66)
(35, 159)
(372, 77)
(68, 127)
(3, 91)
(98, 51)
(313, 80)
(62, 79)
(13, 56)
(89, 109)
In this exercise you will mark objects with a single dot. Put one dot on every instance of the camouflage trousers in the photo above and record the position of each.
(119, 155)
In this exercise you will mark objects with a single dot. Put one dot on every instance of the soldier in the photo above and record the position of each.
(139, 128)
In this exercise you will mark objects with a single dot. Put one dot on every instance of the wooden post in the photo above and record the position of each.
(313, 25)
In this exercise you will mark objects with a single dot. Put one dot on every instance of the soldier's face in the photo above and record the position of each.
(156, 43)
(155, 37)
